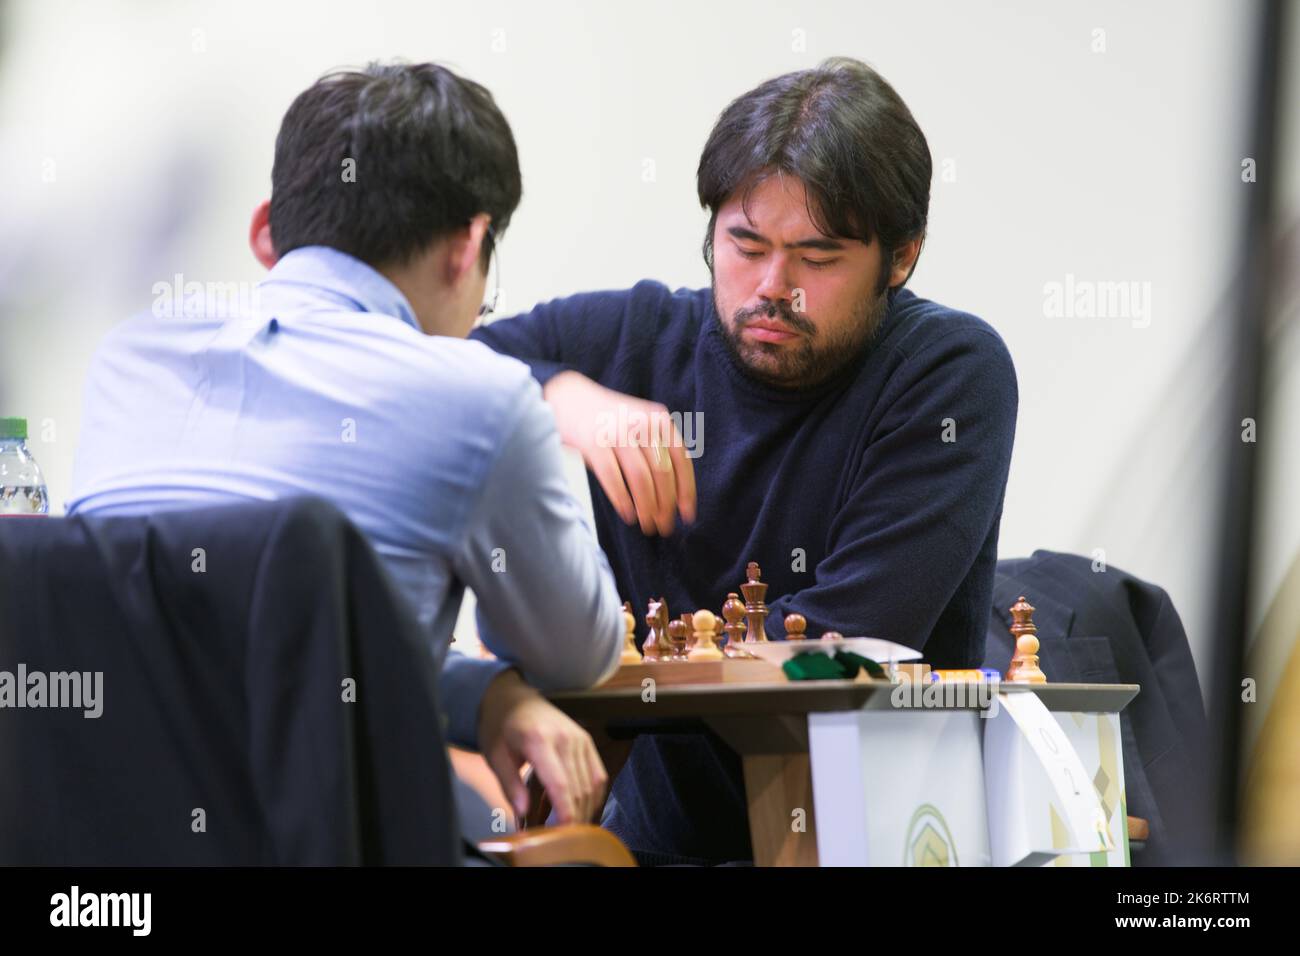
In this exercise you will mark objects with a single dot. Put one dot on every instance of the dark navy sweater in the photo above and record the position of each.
(871, 502)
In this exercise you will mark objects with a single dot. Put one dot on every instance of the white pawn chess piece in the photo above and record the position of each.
(630, 653)
(704, 623)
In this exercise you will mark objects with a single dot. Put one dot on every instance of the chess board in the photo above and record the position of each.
(678, 673)
(704, 648)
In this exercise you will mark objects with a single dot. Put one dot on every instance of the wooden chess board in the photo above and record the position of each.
(703, 648)
(679, 673)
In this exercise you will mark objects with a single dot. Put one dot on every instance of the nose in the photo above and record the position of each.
(775, 284)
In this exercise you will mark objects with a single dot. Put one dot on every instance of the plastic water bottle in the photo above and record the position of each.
(22, 486)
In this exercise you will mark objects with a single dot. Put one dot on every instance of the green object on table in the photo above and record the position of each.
(843, 666)
(854, 662)
(813, 667)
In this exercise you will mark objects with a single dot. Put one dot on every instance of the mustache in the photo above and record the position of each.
(772, 310)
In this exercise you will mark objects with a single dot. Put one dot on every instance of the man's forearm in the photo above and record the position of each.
(462, 686)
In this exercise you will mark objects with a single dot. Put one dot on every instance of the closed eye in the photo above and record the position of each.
(820, 263)
(750, 253)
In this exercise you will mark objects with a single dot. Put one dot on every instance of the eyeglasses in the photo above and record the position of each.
(488, 307)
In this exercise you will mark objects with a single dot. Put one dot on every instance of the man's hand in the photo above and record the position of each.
(645, 473)
(517, 726)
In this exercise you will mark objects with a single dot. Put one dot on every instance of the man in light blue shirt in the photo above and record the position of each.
(351, 379)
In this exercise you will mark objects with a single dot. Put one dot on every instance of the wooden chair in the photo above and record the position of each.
(536, 844)
(575, 844)
(1138, 833)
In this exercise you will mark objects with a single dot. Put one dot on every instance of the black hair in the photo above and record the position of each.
(846, 135)
(429, 150)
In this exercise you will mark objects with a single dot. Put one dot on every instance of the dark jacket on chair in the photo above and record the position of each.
(264, 696)
(1109, 627)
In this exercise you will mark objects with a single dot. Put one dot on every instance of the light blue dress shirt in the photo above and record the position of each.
(440, 450)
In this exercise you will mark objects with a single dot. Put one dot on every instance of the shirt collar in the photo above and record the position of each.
(346, 277)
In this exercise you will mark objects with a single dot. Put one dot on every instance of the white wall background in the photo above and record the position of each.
(156, 122)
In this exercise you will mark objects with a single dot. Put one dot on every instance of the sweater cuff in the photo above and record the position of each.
(461, 686)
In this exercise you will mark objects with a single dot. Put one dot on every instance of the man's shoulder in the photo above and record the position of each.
(442, 375)
(139, 346)
(918, 323)
(689, 305)
(383, 361)
(652, 290)
(466, 364)
(954, 351)
(647, 299)
(146, 329)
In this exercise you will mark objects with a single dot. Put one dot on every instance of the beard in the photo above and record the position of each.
(815, 357)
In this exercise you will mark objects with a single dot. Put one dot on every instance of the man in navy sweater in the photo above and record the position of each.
(858, 437)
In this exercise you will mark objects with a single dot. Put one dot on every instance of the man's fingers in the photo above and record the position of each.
(681, 494)
(637, 474)
(506, 769)
(604, 465)
(577, 753)
(659, 464)
(584, 776)
(684, 475)
(597, 778)
(557, 780)
(583, 798)
(646, 477)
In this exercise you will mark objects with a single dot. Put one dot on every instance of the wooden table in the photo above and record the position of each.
(790, 734)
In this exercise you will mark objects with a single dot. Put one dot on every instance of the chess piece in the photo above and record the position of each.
(832, 636)
(650, 650)
(630, 654)
(795, 625)
(1024, 665)
(666, 649)
(704, 624)
(677, 636)
(689, 620)
(657, 646)
(734, 612)
(755, 610)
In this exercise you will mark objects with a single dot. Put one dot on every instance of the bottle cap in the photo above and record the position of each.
(13, 428)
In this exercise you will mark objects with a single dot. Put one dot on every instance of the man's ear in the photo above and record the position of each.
(464, 247)
(259, 235)
(905, 261)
